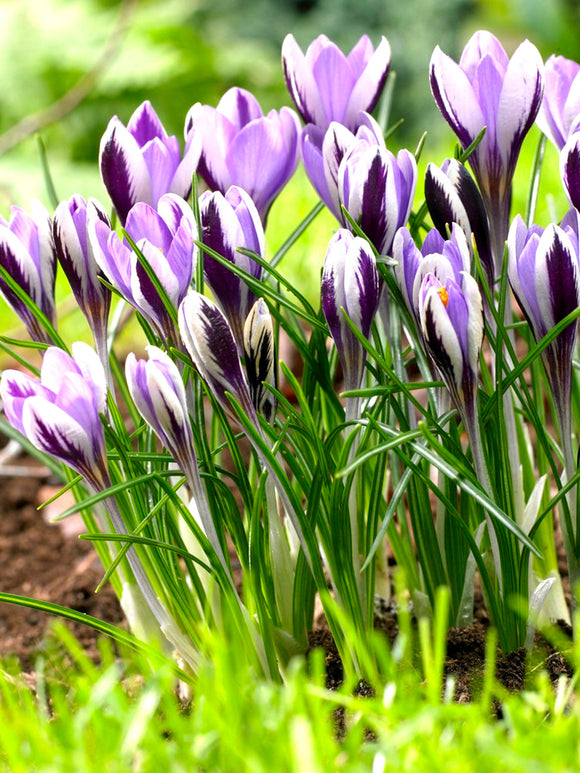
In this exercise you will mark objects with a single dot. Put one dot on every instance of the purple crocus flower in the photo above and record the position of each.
(453, 197)
(165, 238)
(60, 413)
(140, 162)
(377, 190)
(452, 325)
(570, 168)
(559, 115)
(211, 345)
(27, 254)
(487, 89)
(229, 222)
(322, 153)
(156, 387)
(242, 146)
(75, 254)
(350, 281)
(444, 258)
(327, 85)
(544, 272)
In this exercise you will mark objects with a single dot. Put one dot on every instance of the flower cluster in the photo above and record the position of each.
(405, 303)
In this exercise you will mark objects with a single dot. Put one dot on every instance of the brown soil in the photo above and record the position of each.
(45, 561)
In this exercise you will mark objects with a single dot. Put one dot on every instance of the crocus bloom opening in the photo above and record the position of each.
(488, 89)
(559, 115)
(60, 413)
(377, 190)
(444, 258)
(27, 254)
(322, 153)
(327, 85)
(242, 146)
(140, 162)
(165, 238)
(229, 222)
(350, 281)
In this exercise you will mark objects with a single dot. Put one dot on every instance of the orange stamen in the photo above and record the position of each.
(444, 295)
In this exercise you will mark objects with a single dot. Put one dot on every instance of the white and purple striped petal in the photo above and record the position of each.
(229, 222)
(377, 190)
(350, 281)
(210, 343)
(27, 254)
(544, 273)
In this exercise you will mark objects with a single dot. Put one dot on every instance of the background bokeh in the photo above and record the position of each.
(68, 65)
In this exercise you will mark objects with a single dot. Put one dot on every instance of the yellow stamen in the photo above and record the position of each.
(444, 295)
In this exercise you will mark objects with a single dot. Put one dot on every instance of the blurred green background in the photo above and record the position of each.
(68, 65)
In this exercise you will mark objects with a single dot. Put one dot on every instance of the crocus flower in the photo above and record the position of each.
(453, 197)
(322, 153)
(210, 342)
(27, 254)
(327, 85)
(350, 281)
(570, 169)
(75, 254)
(140, 162)
(377, 190)
(242, 146)
(60, 413)
(543, 270)
(444, 258)
(260, 358)
(487, 89)
(559, 115)
(229, 222)
(165, 238)
(451, 315)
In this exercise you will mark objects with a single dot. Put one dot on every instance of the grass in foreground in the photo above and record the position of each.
(124, 716)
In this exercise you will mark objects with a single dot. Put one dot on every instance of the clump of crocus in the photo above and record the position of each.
(230, 221)
(452, 196)
(322, 153)
(559, 115)
(488, 89)
(75, 254)
(350, 285)
(140, 162)
(164, 236)
(376, 189)
(27, 254)
(242, 146)
(327, 85)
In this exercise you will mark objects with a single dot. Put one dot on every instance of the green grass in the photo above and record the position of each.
(124, 716)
